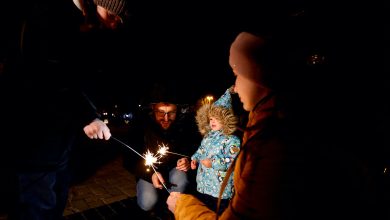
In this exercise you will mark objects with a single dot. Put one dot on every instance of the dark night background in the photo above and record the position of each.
(187, 44)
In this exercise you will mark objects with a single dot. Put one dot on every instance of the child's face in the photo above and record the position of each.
(215, 124)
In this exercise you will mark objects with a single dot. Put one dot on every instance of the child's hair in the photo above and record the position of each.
(224, 115)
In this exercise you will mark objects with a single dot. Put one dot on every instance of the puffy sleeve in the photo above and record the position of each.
(188, 207)
(229, 151)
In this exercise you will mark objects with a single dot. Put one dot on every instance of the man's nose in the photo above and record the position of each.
(166, 117)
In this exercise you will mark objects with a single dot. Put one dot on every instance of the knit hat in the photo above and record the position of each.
(117, 7)
(225, 100)
(245, 57)
(163, 92)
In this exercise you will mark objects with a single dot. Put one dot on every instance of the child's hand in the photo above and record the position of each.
(194, 164)
(206, 162)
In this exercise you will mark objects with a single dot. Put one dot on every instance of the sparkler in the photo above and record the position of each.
(163, 150)
(127, 146)
(149, 158)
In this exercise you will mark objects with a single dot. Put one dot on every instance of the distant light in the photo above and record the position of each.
(208, 99)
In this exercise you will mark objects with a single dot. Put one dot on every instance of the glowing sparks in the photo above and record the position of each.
(149, 158)
(163, 150)
(152, 159)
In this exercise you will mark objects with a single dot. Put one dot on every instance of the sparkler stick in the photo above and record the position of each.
(160, 179)
(177, 154)
(164, 150)
(149, 158)
(128, 147)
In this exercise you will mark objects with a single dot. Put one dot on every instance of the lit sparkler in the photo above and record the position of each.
(127, 146)
(150, 160)
(163, 150)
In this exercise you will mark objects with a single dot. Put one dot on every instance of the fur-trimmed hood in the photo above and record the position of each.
(225, 115)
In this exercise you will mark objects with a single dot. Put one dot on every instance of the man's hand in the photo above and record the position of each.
(171, 201)
(157, 180)
(183, 164)
(97, 129)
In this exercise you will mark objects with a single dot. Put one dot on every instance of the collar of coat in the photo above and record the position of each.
(264, 109)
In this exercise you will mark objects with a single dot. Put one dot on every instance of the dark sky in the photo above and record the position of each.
(188, 47)
(188, 43)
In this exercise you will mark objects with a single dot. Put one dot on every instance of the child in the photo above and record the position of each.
(218, 149)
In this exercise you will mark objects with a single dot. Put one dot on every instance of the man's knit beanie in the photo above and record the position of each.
(117, 7)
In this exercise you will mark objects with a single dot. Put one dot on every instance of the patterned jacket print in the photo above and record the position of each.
(222, 150)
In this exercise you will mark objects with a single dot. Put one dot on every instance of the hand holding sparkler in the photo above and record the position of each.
(157, 180)
(150, 160)
(172, 200)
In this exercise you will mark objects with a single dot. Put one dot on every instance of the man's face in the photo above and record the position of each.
(165, 114)
(108, 19)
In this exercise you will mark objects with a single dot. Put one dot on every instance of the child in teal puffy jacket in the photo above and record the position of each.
(218, 149)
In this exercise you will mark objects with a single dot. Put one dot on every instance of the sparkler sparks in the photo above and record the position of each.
(163, 150)
(151, 159)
